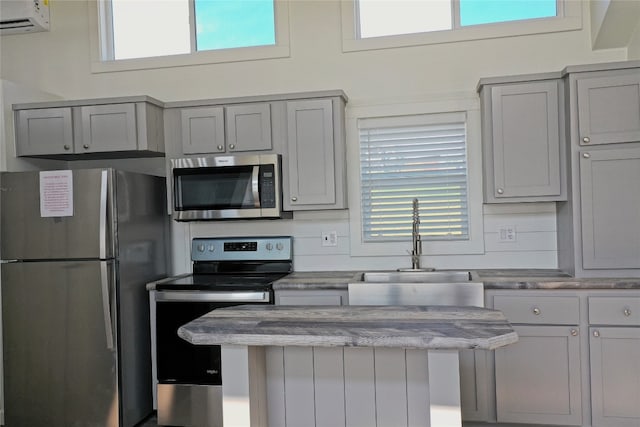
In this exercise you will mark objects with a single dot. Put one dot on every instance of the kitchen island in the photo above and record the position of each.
(408, 332)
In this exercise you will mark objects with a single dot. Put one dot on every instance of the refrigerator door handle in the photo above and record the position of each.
(103, 215)
(106, 304)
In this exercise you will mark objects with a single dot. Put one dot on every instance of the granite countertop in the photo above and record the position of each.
(432, 327)
(492, 279)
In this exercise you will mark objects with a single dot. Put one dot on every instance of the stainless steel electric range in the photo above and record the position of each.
(226, 271)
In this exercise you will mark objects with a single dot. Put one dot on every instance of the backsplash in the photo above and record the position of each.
(534, 245)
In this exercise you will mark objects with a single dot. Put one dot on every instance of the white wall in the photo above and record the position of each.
(59, 62)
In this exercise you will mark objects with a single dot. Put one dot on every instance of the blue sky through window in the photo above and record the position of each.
(473, 12)
(223, 24)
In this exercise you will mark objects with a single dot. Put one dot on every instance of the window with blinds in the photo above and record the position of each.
(423, 157)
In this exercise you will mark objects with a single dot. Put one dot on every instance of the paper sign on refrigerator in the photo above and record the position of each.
(56, 193)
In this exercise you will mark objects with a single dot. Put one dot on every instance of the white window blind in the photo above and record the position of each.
(423, 157)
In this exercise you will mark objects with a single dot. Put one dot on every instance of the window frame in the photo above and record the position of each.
(467, 105)
(102, 48)
(569, 18)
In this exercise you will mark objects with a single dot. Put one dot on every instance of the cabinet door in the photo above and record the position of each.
(610, 207)
(44, 131)
(311, 153)
(526, 140)
(110, 127)
(202, 130)
(538, 378)
(615, 377)
(609, 109)
(248, 127)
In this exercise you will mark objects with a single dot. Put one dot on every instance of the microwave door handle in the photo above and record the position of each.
(255, 178)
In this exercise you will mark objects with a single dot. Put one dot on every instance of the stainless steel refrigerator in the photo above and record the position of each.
(78, 248)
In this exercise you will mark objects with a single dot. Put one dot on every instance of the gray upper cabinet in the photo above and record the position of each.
(123, 127)
(249, 127)
(44, 131)
(202, 130)
(609, 108)
(610, 208)
(523, 142)
(314, 166)
(107, 128)
(226, 128)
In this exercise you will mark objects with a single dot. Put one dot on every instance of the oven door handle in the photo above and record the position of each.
(204, 296)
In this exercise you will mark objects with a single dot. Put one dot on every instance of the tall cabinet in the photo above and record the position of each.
(598, 228)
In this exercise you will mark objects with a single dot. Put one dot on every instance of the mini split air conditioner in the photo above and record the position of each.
(23, 16)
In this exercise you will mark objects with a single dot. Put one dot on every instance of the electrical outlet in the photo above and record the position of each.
(330, 238)
(507, 233)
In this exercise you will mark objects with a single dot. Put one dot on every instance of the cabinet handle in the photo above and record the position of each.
(67, 147)
(596, 334)
(500, 191)
(586, 140)
(574, 332)
(586, 155)
(536, 311)
(220, 147)
(294, 199)
(626, 312)
(85, 146)
(231, 147)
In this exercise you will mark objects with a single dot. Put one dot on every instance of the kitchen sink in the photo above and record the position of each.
(445, 287)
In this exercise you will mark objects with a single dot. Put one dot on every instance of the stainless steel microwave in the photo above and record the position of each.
(227, 187)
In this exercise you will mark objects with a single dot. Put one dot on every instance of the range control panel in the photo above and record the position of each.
(242, 248)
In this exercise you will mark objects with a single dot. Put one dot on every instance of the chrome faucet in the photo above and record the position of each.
(416, 251)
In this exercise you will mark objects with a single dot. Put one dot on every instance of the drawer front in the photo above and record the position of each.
(614, 311)
(539, 310)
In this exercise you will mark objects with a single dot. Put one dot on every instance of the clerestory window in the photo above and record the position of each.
(385, 18)
(375, 24)
(183, 32)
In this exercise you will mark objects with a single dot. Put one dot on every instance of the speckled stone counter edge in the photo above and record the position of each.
(492, 279)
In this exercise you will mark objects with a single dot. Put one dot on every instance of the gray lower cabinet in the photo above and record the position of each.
(610, 208)
(314, 162)
(538, 379)
(226, 129)
(614, 348)
(110, 127)
(615, 376)
(523, 140)
(577, 359)
(608, 107)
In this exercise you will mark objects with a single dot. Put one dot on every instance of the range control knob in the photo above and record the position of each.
(200, 248)
(211, 248)
(279, 246)
(269, 246)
